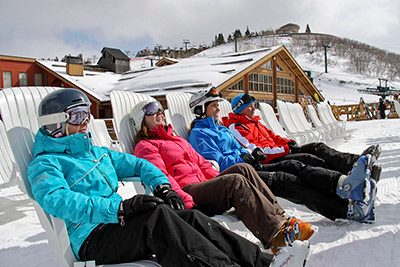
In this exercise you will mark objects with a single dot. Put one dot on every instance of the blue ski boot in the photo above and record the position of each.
(363, 211)
(353, 185)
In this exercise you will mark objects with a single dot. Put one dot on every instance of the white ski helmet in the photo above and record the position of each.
(146, 107)
(199, 101)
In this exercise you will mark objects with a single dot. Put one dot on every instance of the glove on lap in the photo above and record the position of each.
(169, 196)
(138, 203)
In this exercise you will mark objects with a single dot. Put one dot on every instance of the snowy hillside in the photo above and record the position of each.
(339, 85)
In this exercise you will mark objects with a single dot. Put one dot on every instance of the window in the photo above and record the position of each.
(260, 82)
(38, 79)
(7, 82)
(23, 79)
(237, 86)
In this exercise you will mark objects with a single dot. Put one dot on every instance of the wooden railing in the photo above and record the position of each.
(358, 112)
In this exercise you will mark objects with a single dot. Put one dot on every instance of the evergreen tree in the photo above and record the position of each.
(247, 33)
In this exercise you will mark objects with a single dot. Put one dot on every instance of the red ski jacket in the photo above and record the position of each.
(251, 133)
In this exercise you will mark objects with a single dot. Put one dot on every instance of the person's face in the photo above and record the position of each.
(249, 110)
(213, 110)
(152, 121)
(73, 129)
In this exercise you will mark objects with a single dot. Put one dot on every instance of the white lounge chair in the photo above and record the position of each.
(397, 107)
(327, 118)
(288, 124)
(319, 131)
(122, 103)
(18, 107)
(273, 124)
(180, 115)
(100, 135)
(312, 114)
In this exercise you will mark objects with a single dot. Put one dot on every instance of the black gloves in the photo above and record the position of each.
(257, 156)
(170, 197)
(293, 147)
(248, 158)
(138, 203)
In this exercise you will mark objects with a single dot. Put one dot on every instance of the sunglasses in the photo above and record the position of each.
(78, 115)
(152, 108)
(245, 99)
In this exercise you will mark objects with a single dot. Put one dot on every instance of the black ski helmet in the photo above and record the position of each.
(57, 102)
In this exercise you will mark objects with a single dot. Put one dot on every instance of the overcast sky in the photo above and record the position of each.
(50, 28)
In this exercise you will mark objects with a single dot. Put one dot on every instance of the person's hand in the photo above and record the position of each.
(293, 147)
(170, 197)
(138, 203)
(259, 154)
(249, 159)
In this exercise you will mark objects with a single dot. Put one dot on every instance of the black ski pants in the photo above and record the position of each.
(177, 238)
(321, 155)
(309, 177)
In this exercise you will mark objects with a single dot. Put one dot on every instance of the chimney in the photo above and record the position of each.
(74, 66)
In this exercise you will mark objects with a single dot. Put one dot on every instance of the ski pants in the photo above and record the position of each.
(241, 187)
(321, 155)
(314, 187)
(177, 238)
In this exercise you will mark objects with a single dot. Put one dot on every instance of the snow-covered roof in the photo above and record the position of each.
(96, 83)
(191, 74)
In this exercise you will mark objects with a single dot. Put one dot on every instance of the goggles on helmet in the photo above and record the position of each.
(152, 108)
(213, 92)
(245, 99)
(78, 115)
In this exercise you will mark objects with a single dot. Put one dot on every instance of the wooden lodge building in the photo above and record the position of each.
(269, 74)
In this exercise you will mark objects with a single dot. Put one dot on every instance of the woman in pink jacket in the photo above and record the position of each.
(201, 186)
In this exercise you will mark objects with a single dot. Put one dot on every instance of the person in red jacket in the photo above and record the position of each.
(203, 188)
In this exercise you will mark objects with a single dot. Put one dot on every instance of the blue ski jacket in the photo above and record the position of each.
(73, 180)
(216, 142)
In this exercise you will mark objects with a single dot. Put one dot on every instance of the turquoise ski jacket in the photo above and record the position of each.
(73, 180)
(216, 142)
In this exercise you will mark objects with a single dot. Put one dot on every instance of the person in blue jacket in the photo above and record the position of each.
(78, 182)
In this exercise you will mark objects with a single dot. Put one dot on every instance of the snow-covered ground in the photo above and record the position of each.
(23, 242)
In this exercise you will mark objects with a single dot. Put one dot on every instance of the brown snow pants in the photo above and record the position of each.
(240, 187)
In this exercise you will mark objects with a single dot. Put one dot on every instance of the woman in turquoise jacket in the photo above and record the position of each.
(76, 181)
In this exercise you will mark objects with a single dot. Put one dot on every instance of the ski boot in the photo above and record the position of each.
(374, 151)
(363, 211)
(353, 185)
(294, 230)
(376, 172)
(294, 255)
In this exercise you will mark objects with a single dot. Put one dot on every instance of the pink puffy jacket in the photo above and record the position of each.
(177, 159)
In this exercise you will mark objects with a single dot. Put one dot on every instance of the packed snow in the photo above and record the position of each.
(23, 242)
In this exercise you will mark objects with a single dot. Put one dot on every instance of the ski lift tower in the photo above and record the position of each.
(382, 89)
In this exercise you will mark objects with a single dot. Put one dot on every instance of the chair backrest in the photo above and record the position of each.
(284, 117)
(397, 107)
(100, 135)
(312, 114)
(122, 103)
(225, 108)
(270, 119)
(297, 109)
(180, 115)
(8, 168)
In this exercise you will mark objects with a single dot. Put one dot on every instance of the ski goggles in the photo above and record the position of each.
(78, 115)
(245, 99)
(152, 108)
(214, 92)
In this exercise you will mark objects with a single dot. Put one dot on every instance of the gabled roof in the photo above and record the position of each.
(118, 54)
(191, 74)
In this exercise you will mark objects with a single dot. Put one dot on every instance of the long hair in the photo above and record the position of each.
(144, 134)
